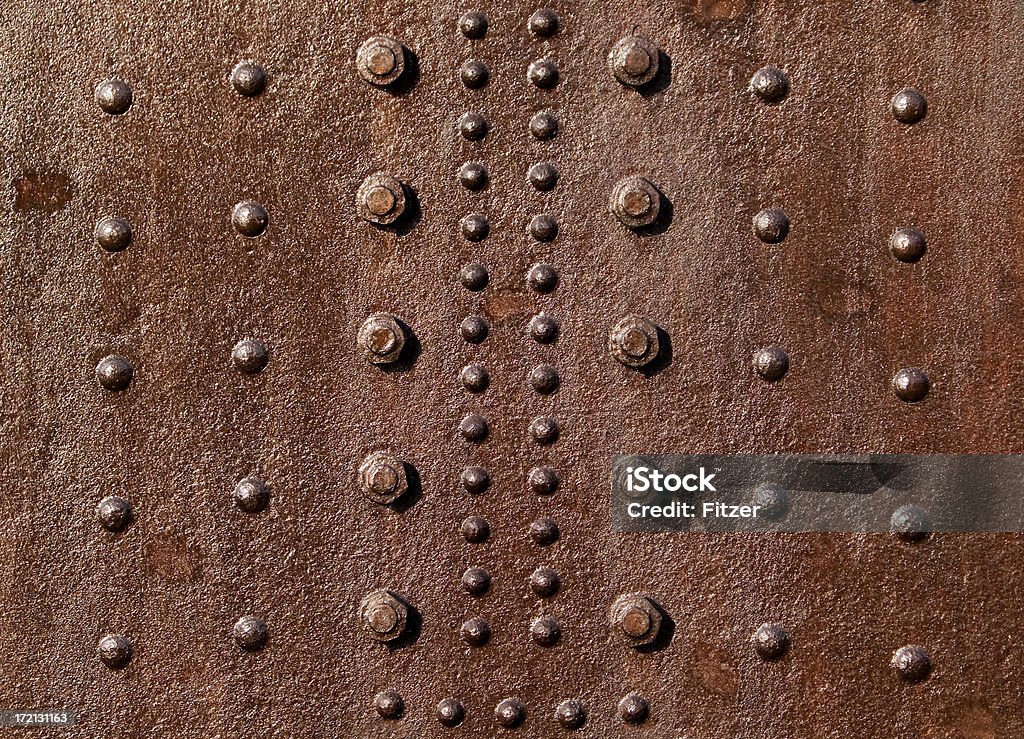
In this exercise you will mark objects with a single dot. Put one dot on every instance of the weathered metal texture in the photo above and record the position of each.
(815, 138)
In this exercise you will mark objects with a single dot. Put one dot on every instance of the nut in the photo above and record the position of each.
(633, 341)
(380, 199)
(382, 478)
(634, 61)
(637, 619)
(383, 615)
(380, 60)
(636, 202)
(381, 338)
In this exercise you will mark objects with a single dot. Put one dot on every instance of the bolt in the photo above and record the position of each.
(545, 430)
(544, 227)
(382, 478)
(475, 530)
(475, 378)
(380, 60)
(383, 615)
(634, 342)
(474, 277)
(636, 202)
(380, 199)
(381, 338)
(475, 227)
(634, 61)
(476, 581)
(474, 428)
(113, 234)
(544, 379)
(543, 176)
(476, 480)
(637, 618)
(543, 278)
(474, 329)
(544, 532)
(543, 480)
(545, 582)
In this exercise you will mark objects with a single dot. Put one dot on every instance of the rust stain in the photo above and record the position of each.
(714, 672)
(43, 191)
(169, 557)
(707, 11)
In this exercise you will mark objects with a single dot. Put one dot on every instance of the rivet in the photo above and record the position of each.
(248, 79)
(543, 176)
(249, 219)
(633, 709)
(770, 84)
(544, 379)
(908, 245)
(909, 106)
(383, 615)
(544, 125)
(114, 513)
(473, 176)
(382, 478)
(543, 23)
(476, 632)
(114, 97)
(543, 73)
(250, 633)
(114, 373)
(472, 126)
(546, 631)
(113, 234)
(450, 712)
(544, 329)
(474, 74)
(474, 428)
(543, 278)
(771, 642)
(475, 480)
(543, 480)
(474, 329)
(771, 363)
(251, 495)
(473, 24)
(475, 227)
(380, 60)
(380, 199)
(634, 61)
(476, 581)
(510, 713)
(115, 650)
(571, 714)
(545, 582)
(637, 619)
(250, 356)
(912, 663)
(636, 202)
(475, 378)
(771, 225)
(475, 530)
(910, 523)
(389, 704)
(544, 227)
(474, 277)
(911, 384)
(381, 338)
(772, 501)
(544, 532)
(634, 341)
(545, 430)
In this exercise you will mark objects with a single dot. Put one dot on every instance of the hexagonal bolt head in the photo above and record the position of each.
(633, 341)
(637, 619)
(636, 202)
(383, 615)
(382, 478)
(381, 338)
(380, 199)
(634, 61)
(380, 60)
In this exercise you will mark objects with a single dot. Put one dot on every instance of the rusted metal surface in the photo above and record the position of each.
(199, 357)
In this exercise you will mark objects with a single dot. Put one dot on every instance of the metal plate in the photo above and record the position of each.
(190, 425)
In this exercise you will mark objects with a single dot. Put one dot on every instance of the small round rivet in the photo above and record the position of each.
(634, 61)
(771, 642)
(115, 651)
(474, 329)
(771, 225)
(571, 714)
(389, 704)
(908, 245)
(543, 176)
(544, 329)
(911, 384)
(251, 495)
(113, 234)
(383, 615)
(474, 277)
(114, 513)
(473, 176)
(381, 338)
(474, 428)
(543, 278)
(633, 709)
(114, 373)
(250, 356)
(634, 341)
(771, 363)
(772, 501)
(381, 199)
(475, 227)
(545, 582)
(543, 73)
(476, 581)
(475, 530)
(544, 379)
(450, 712)
(380, 60)
(114, 97)
(476, 632)
(544, 227)
(473, 24)
(543, 480)
(510, 713)
(769, 84)
(475, 378)
(544, 125)
(474, 74)
(249, 219)
(383, 478)
(543, 23)
(248, 79)
(544, 532)
(250, 633)
(545, 430)
(910, 523)
(472, 126)
(636, 202)
(546, 631)
(912, 663)
(475, 480)
(909, 106)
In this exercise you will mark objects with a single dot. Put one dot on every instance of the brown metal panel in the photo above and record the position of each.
(191, 424)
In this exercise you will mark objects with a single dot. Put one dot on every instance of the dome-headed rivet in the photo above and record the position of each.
(543, 278)
(473, 126)
(389, 704)
(250, 356)
(571, 714)
(474, 277)
(543, 176)
(475, 480)
(637, 619)
(544, 227)
(912, 663)
(475, 227)
(249, 218)
(633, 709)
(544, 329)
(545, 631)
(911, 384)
(114, 373)
(634, 341)
(474, 428)
(545, 582)
(474, 329)
(908, 245)
(113, 234)
(450, 712)
(248, 79)
(380, 60)
(476, 581)
(475, 378)
(543, 23)
(474, 74)
(545, 430)
(772, 501)
(381, 338)
(771, 642)
(634, 61)
(382, 478)
(251, 495)
(383, 615)
(770, 84)
(473, 176)
(544, 379)
(771, 363)
(250, 633)
(380, 199)
(510, 713)
(543, 481)
(473, 24)
(636, 202)
(910, 523)
(476, 632)
(543, 73)
(544, 532)
(114, 97)
(909, 106)
(544, 125)
(475, 530)
(114, 513)
(115, 651)
(771, 225)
